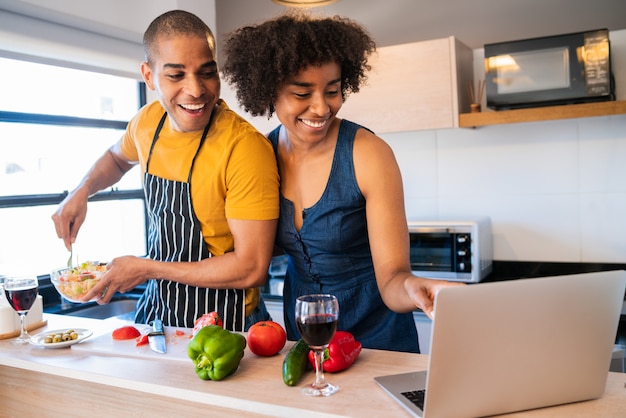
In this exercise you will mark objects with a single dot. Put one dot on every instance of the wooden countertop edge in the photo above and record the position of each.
(614, 390)
(174, 393)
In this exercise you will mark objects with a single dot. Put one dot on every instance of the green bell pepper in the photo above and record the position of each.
(216, 352)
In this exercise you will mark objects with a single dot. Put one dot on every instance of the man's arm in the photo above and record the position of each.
(245, 267)
(71, 213)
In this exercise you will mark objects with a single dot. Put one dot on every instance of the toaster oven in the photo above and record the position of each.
(451, 250)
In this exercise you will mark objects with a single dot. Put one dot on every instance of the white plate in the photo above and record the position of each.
(39, 339)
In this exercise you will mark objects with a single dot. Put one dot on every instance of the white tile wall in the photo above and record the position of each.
(555, 191)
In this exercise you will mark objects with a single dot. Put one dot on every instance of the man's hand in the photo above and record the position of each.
(123, 274)
(70, 215)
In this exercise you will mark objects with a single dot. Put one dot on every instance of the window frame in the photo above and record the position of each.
(16, 201)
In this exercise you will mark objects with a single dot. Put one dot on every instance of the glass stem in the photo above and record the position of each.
(23, 326)
(319, 368)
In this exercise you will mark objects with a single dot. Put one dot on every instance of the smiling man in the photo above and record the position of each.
(211, 187)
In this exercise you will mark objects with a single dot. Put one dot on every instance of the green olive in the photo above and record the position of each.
(69, 335)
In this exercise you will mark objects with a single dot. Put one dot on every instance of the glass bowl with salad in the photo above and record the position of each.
(74, 282)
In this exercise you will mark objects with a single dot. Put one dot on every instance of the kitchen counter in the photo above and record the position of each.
(74, 382)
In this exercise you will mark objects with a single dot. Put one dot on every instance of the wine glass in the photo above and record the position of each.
(21, 292)
(316, 320)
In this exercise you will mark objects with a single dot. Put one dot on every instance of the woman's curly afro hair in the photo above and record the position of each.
(261, 58)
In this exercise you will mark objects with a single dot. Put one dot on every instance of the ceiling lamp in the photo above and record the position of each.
(304, 3)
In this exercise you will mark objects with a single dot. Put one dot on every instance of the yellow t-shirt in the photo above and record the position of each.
(234, 176)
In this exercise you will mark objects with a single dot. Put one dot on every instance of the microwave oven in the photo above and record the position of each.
(451, 250)
(553, 70)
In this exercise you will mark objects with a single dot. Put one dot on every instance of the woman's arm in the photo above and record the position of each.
(380, 180)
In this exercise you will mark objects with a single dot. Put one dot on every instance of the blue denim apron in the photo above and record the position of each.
(331, 254)
(174, 234)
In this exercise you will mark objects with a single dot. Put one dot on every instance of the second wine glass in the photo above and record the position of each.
(316, 319)
(21, 292)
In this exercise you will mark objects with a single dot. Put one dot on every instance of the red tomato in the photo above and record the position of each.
(126, 333)
(179, 333)
(266, 338)
(211, 318)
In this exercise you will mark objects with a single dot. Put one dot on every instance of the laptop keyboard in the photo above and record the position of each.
(416, 397)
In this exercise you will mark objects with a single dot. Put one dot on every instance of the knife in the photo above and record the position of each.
(156, 338)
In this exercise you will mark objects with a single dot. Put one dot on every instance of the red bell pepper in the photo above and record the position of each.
(342, 351)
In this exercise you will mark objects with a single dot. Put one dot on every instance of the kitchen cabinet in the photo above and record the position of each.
(536, 114)
(414, 86)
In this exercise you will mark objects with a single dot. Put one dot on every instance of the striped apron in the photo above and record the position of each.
(174, 234)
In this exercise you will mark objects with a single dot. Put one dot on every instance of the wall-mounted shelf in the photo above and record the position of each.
(571, 111)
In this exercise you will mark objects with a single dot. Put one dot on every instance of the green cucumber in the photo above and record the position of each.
(295, 363)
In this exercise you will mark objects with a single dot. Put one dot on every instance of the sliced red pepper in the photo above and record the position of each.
(141, 340)
(211, 318)
(342, 351)
(179, 333)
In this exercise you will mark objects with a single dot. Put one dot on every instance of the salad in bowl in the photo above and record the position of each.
(74, 282)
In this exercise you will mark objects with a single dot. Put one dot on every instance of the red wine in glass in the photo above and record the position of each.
(318, 330)
(21, 299)
(316, 320)
(21, 293)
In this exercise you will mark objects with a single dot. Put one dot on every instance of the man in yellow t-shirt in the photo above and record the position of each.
(211, 186)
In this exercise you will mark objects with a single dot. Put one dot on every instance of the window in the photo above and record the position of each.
(54, 123)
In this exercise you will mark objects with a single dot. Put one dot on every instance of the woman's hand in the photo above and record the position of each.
(422, 292)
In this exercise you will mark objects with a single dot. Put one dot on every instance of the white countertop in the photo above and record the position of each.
(121, 383)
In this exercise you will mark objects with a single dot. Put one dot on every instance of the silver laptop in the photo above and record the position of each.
(515, 345)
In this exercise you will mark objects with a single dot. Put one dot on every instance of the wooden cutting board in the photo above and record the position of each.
(105, 344)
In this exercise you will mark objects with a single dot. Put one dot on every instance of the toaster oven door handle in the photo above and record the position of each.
(431, 230)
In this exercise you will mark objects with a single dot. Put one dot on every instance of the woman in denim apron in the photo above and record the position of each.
(342, 221)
